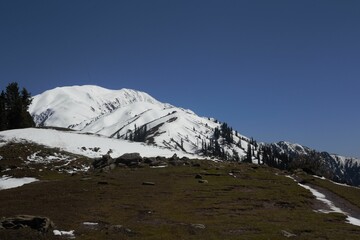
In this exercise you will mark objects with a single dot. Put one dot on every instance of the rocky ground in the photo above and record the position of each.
(157, 198)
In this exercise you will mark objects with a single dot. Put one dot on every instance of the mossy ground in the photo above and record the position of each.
(255, 204)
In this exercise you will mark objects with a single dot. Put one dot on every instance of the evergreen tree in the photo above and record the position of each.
(140, 134)
(216, 133)
(14, 107)
(248, 154)
(3, 115)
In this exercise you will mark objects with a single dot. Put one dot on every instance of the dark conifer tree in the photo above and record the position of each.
(15, 105)
(248, 154)
(3, 114)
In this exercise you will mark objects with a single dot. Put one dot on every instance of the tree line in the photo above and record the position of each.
(14, 105)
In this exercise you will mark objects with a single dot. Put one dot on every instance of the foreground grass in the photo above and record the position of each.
(255, 204)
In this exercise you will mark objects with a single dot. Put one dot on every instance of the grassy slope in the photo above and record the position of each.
(349, 193)
(257, 204)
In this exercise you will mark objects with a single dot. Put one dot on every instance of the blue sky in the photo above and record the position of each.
(274, 70)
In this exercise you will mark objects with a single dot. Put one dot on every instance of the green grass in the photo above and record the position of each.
(257, 204)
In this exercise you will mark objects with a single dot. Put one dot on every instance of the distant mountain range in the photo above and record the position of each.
(136, 116)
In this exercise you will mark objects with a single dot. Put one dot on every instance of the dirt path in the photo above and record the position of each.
(338, 201)
(346, 207)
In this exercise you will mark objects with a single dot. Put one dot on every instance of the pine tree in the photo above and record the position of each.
(248, 154)
(14, 108)
(3, 115)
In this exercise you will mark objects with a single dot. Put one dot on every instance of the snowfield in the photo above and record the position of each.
(88, 145)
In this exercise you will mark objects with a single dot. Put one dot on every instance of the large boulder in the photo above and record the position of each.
(104, 161)
(129, 159)
(42, 224)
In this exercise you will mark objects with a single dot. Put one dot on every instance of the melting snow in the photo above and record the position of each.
(160, 166)
(90, 223)
(7, 182)
(36, 158)
(321, 197)
(67, 234)
(353, 221)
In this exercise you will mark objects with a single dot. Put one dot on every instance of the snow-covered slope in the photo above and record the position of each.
(76, 106)
(121, 113)
(338, 168)
(84, 144)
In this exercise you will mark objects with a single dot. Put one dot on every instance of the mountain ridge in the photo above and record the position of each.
(124, 113)
(136, 116)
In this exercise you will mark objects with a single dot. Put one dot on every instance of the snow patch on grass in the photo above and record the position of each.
(68, 234)
(37, 158)
(353, 221)
(90, 223)
(7, 182)
(321, 197)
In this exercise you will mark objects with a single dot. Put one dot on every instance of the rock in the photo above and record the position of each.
(157, 163)
(162, 159)
(203, 181)
(129, 159)
(103, 183)
(176, 161)
(148, 183)
(198, 176)
(121, 165)
(196, 165)
(42, 224)
(149, 160)
(287, 234)
(174, 157)
(121, 229)
(198, 226)
(102, 162)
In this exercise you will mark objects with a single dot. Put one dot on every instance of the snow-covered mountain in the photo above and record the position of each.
(133, 115)
(335, 167)
(129, 114)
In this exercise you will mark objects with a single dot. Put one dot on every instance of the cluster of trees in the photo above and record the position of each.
(312, 163)
(138, 135)
(14, 105)
(225, 132)
(214, 148)
(223, 136)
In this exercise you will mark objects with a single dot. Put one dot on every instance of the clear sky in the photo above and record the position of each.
(274, 70)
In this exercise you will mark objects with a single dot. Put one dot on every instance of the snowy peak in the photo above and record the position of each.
(69, 107)
(291, 148)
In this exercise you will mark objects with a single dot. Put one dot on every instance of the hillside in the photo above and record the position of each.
(192, 199)
(287, 155)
